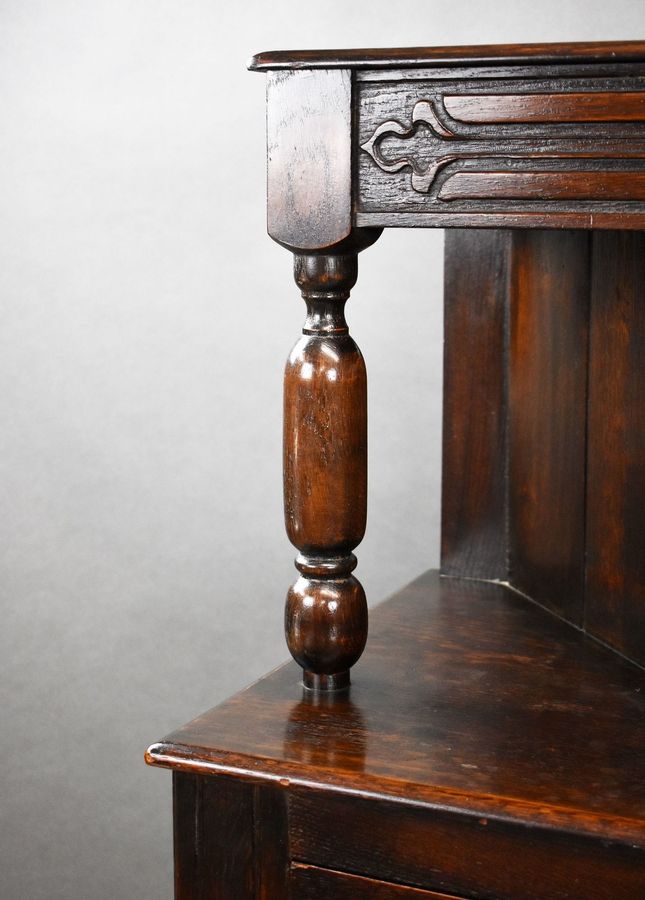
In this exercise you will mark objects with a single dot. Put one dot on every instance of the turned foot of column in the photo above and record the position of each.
(326, 621)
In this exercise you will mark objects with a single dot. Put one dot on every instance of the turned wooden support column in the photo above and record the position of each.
(310, 212)
(325, 475)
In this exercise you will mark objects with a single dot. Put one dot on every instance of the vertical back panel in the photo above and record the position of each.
(547, 390)
(615, 596)
(544, 422)
(474, 496)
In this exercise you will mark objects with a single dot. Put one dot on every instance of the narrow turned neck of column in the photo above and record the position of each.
(325, 313)
(325, 281)
(329, 566)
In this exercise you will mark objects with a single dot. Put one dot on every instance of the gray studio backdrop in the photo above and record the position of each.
(145, 321)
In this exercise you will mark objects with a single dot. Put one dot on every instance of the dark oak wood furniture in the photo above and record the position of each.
(492, 741)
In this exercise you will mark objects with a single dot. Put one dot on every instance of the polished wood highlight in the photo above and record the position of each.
(544, 185)
(560, 151)
(309, 179)
(314, 883)
(606, 52)
(615, 607)
(446, 651)
(470, 703)
(474, 501)
(544, 436)
(590, 106)
(325, 476)
(548, 337)
(309, 191)
(490, 744)
(460, 855)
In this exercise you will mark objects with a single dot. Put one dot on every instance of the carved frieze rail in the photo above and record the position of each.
(561, 146)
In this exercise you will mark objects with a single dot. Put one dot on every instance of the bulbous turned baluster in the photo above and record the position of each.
(325, 476)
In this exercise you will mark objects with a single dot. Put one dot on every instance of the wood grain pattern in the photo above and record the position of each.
(313, 883)
(213, 821)
(325, 417)
(458, 855)
(468, 698)
(607, 52)
(486, 747)
(231, 839)
(325, 474)
(543, 186)
(270, 842)
(185, 833)
(547, 416)
(528, 151)
(615, 608)
(309, 158)
(517, 218)
(577, 106)
(516, 411)
(474, 501)
(465, 73)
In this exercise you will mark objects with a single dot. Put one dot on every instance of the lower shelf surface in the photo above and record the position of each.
(483, 743)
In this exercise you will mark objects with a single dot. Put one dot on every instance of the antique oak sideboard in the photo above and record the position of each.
(491, 743)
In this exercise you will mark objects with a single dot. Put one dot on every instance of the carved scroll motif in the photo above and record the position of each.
(529, 152)
(425, 111)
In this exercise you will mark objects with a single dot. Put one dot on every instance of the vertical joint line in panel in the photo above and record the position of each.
(255, 840)
(354, 143)
(508, 281)
(585, 505)
(197, 823)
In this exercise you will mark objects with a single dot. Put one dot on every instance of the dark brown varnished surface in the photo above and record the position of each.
(535, 186)
(484, 54)
(474, 483)
(468, 698)
(309, 154)
(312, 883)
(547, 416)
(230, 839)
(470, 856)
(544, 430)
(616, 455)
(486, 748)
(213, 821)
(325, 472)
(492, 136)
(590, 106)
(545, 149)
(325, 417)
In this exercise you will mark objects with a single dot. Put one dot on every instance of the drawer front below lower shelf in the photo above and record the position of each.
(457, 855)
(312, 883)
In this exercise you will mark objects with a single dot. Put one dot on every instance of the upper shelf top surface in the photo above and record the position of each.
(478, 55)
